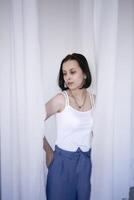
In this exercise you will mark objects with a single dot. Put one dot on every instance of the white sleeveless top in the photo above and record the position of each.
(74, 128)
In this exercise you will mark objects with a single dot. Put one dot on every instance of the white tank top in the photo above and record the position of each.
(74, 128)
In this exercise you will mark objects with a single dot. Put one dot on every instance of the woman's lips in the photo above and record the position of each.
(69, 83)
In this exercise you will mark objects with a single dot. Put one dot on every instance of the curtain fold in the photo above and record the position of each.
(105, 14)
(21, 103)
(87, 36)
(112, 146)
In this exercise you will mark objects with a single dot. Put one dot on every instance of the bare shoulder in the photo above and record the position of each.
(54, 105)
(58, 99)
(61, 101)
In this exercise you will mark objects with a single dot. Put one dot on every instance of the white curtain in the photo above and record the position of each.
(21, 106)
(35, 36)
(112, 152)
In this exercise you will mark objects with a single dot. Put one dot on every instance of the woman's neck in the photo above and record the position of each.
(78, 93)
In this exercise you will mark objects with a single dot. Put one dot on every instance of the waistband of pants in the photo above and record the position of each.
(72, 154)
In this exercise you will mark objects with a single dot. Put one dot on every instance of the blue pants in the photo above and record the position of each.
(69, 175)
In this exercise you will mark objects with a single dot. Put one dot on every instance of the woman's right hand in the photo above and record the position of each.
(49, 156)
(49, 151)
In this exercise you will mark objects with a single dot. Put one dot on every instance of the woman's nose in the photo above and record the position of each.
(68, 77)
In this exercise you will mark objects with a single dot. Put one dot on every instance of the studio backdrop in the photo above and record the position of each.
(35, 35)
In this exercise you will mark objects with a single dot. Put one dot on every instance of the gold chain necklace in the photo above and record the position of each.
(79, 106)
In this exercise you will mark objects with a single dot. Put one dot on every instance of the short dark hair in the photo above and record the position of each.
(82, 61)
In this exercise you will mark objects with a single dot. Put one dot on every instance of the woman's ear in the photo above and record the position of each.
(85, 76)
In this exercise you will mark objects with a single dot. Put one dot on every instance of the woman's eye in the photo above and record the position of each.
(73, 72)
(64, 74)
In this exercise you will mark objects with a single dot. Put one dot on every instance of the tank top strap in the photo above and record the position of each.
(66, 97)
(91, 99)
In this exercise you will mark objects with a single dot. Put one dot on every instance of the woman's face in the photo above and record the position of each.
(73, 74)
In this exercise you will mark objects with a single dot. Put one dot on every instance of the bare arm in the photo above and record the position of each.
(49, 151)
(46, 145)
(53, 106)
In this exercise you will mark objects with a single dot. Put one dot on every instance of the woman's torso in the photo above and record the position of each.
(74, 127)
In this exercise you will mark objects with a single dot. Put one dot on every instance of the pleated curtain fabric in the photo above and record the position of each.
(21, 104)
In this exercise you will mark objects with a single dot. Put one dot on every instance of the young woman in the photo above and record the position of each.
(69, 165)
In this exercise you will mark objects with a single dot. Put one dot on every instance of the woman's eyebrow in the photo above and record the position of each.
(69, 69)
